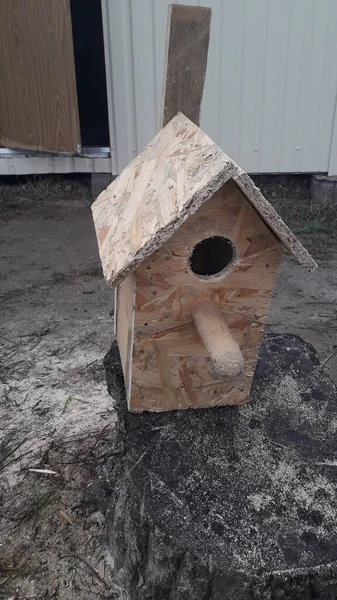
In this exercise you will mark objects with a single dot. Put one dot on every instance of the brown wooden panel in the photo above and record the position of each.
(38, 101)
(171, 368)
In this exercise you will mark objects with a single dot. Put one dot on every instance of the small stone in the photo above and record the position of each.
(97, 518)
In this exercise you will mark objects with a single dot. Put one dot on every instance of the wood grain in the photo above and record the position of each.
(186, 61)
(171, 367)
(38, 101)
(222, 348)
(125, 307)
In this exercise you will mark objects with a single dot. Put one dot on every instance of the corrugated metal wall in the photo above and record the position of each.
(271, 87)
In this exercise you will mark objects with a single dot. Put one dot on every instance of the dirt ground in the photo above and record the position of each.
(56, 415)
(305, 303)
(57, 420)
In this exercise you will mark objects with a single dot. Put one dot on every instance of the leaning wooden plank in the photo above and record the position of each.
(186, 60)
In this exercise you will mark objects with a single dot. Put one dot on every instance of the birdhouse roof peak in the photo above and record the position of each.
(179, 170)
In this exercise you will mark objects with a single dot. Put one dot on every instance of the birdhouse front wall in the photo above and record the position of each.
(171, 369)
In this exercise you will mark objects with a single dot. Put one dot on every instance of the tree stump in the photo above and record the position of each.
(234, 502)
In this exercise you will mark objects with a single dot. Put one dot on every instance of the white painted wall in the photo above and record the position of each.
(271, 86)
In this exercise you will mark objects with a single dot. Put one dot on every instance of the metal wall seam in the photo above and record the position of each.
(109, 84)
(118, 24)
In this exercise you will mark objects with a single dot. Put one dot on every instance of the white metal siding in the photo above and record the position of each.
(38, 165)
(271, 86)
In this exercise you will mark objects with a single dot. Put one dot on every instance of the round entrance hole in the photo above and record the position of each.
(212, 256)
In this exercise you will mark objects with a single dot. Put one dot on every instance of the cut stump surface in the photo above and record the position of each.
(239, 500)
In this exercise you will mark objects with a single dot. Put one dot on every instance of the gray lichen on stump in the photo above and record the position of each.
(235, 502)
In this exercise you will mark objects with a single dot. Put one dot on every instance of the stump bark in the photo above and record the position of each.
(234, 502)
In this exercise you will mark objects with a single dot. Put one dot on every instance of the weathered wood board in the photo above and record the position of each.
(186, 60)
(171, 368)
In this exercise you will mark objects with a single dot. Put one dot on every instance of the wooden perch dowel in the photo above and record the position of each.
(223, 349)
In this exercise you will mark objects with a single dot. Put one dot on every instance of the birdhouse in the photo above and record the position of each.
(192, 248)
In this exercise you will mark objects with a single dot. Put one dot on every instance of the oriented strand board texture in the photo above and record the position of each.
(38, 100)
(153, 196)
(178, 171)
(270, 216)
(171, 368)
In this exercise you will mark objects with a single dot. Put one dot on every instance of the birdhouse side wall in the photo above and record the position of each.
(171, 368)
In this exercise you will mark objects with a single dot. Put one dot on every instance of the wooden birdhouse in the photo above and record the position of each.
(193, 249)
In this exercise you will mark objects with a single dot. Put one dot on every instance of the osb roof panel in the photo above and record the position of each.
(176, 172)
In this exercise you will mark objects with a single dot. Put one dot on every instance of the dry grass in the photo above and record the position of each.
(57, 422)
(19, 194)
(315, 225)
(60, 501)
